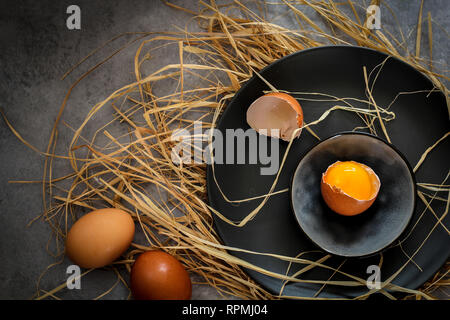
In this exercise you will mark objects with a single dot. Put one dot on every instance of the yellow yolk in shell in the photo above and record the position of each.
(351, 178)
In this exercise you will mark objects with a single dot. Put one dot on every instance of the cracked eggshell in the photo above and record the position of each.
(276, 110)
(343, 204)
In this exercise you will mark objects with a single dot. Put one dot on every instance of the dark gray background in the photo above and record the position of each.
(36, 49)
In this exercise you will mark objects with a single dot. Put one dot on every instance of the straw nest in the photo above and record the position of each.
(133, 170)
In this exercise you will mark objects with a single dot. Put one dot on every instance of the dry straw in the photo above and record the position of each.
(236, 42)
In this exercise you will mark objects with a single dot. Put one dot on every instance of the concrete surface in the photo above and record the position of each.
(36, 49)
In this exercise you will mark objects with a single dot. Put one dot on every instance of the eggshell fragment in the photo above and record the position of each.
(276, 110)
(340, 202)
(99, 237)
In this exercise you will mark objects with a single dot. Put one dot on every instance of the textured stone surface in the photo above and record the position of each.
(36, 49)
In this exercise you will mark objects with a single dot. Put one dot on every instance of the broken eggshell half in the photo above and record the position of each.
(341, 202)
(276, 110)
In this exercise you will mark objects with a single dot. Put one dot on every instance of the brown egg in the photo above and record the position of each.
(99, 237)
(349, 188)
(276, 110)
(157, 275)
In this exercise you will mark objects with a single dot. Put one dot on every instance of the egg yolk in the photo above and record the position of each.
(352, 178)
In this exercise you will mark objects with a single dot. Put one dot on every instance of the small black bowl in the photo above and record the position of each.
(372, 230)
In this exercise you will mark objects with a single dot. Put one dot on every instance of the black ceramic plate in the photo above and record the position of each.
(372, 230)
(337, 70)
